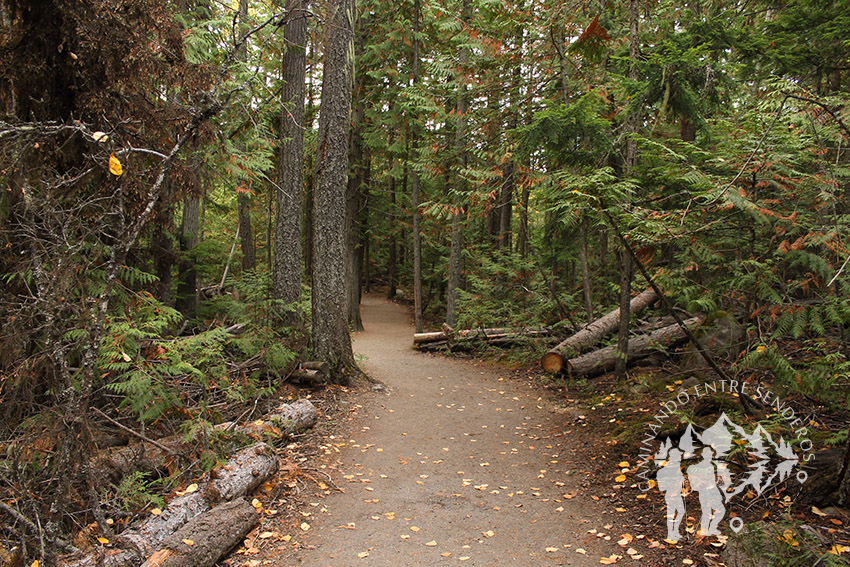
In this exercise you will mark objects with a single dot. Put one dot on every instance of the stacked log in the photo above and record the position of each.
(214, 516)
(555, 360)
(642, 346)
(450, 339)
(231, 482)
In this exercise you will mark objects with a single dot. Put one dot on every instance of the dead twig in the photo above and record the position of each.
(133, 433)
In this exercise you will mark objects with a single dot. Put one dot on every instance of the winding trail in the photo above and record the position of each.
(453, 464)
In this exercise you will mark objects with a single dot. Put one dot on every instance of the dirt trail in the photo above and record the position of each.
(453, 464)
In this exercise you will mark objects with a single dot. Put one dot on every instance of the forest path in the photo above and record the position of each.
(453, 464)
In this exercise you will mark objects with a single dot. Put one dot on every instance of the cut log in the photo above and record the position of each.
(206, 539)
(604, 359)
(435, 336)
(287, 420)
(240, 476)
(501, 336)
(554, 361)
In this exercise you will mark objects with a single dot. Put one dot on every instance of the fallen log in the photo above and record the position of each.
(287, 420)
(240, 476)
(498, 336)
(604, 359)
(117, 462)
(555, 359)
(206, 539)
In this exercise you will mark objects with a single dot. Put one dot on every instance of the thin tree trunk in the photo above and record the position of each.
(331, 339)
(187, 279)
(585, 274)
(414, 185)
(392, 260)
(456, 250)
(631, 159)
(249, 253)
(286, 285)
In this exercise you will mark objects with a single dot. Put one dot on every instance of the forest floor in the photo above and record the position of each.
(453, 460)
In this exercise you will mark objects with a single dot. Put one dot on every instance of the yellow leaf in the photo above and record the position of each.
(256, 503)
(580, 550)
(839, 549)
(35, 563)
(488, 533)
(125, 356)
(305, 526)
(464, 558)
(414, 528)
(431, 543)
(101, 137)
(191, 488)
(625, 540)
(103, 540)
(551, 549)
(266, 535)
(363, 555)
(188, 542)
(287, 537)
(817, 511)
(621, 478)
(115, 167)
(156, 512)
(624, 464)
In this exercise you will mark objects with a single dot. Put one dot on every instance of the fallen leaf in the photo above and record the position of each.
(836, 521)
(188, 542)
(464, 558)
(414, 528)
(688, 561)
(191, 488)
(115, 167)
(624, 464)
(156, 512)
(580, 550)
(305, 526)
(266, 535)
(431, 543)
(446, 554)
(552, 549)
(286, 538)
(625, 540)
(363, 555)
(103, 540)
(488, 533)
(620, 478)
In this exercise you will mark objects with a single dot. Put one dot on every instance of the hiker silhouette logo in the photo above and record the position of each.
(704, 460)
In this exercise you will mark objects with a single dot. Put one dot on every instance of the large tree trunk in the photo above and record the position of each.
(605, 359)
(554, 360)
(286, 285)
(331, 339)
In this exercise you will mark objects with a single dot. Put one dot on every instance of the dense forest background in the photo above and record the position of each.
(195, 195)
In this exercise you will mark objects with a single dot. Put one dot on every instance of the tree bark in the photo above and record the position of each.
(286, 285)
(331, 339)
(605, 359)
(585, 274)
(555, 360)
(211, 535)
(354, 196)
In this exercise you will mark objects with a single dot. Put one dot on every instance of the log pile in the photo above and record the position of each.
(230, 483)
(449, 339)
(555, 360)
(658, 334)
(213, 515)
